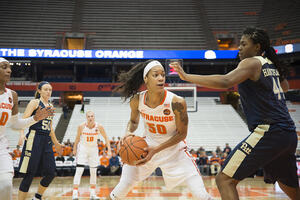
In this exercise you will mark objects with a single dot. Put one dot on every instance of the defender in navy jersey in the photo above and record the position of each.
(273, 139)
(37, 154)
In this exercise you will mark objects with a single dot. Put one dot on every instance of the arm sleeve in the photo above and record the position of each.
(19, 123)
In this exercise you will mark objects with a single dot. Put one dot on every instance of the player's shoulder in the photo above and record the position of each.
(82, 125)
(178, 103)
(135, 99)
(253, 62)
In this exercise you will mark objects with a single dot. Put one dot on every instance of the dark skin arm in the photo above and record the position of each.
(249, 68)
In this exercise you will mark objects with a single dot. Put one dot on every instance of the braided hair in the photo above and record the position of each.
(259, 36)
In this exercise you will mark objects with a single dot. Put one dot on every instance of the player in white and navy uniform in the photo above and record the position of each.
(86, 151)
(9, 112)
(165, 121)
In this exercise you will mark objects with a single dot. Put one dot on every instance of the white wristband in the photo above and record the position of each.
(19, 123)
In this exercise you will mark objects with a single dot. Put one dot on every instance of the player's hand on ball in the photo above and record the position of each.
(176, 66)
(149, 153)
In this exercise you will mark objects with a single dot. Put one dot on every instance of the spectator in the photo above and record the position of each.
(101, 146)
(218, 151)
(54, 151)
(65, 110)
(67, 150)
(201, 149)
(194, 154)
(82, 108)
(114, 164)
(60, 157)
(227, 149)
(223, 158)
(214, 162)
(71, 157)
(104, 165)
(202, 163)
(17, 152)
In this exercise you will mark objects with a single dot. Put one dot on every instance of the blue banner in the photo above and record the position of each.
(132, 54)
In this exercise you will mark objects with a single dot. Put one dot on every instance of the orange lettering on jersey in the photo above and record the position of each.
(89, 133)
(3, 119)
(6, 106)
(157, 118)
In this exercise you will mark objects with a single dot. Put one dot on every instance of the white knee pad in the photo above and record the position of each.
(93, 173)
(196, 186)
(6, 186)
(121, 190)
(78, 174)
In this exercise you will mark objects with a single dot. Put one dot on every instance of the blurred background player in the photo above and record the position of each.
(9, 111)
(273, 139)
(37, 153)
(165, 121)
(86, 150)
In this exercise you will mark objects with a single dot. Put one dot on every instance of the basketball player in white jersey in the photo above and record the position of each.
(9, 111)
(86, 148)
(166, 122)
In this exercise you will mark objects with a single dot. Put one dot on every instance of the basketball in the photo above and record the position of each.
(132, 149)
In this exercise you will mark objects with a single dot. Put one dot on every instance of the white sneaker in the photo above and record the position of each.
(93, 195)
(75, 195)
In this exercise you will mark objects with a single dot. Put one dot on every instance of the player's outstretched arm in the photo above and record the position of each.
(28, 120)
(248, 68)
(104, 135)
(79, 132)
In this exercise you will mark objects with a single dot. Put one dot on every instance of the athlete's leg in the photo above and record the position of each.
(6, 185)
(130, 176)
(76, 181)
(227, 186)
(293, 193)
(24, 186)
(196, 185)
(93, 182)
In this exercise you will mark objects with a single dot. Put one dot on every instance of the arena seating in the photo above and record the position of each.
(34, 24)
(168, 24)
(213, 125)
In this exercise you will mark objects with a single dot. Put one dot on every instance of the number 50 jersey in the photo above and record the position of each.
(42, 126)
(159, 122)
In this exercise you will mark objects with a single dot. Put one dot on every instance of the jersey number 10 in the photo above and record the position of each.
(3, 119)
(89, 139)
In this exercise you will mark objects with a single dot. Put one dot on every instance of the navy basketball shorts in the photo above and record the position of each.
(271, 147)
(37, 155)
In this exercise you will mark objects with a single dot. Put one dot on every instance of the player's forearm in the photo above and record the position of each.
(210, 81)
(20, 123)
(131, 127)
(172, 141)
(53, 138)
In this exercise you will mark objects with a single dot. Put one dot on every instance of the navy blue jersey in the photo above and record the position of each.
(263, 100)
(42, 126)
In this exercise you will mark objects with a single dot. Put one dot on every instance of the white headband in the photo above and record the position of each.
(149, 67)
(3, 60)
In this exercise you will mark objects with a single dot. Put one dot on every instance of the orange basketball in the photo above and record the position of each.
(132, 149)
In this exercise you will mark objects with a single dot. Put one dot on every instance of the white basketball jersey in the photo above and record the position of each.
(159, 122)
(89, 136)
(6, 105)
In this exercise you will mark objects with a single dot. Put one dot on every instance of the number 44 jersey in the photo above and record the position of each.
(263, 100)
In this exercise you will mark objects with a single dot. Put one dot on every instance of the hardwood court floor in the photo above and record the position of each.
(150, 189)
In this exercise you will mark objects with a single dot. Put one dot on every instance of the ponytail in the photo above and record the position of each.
(131, 81)
(270, 53)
